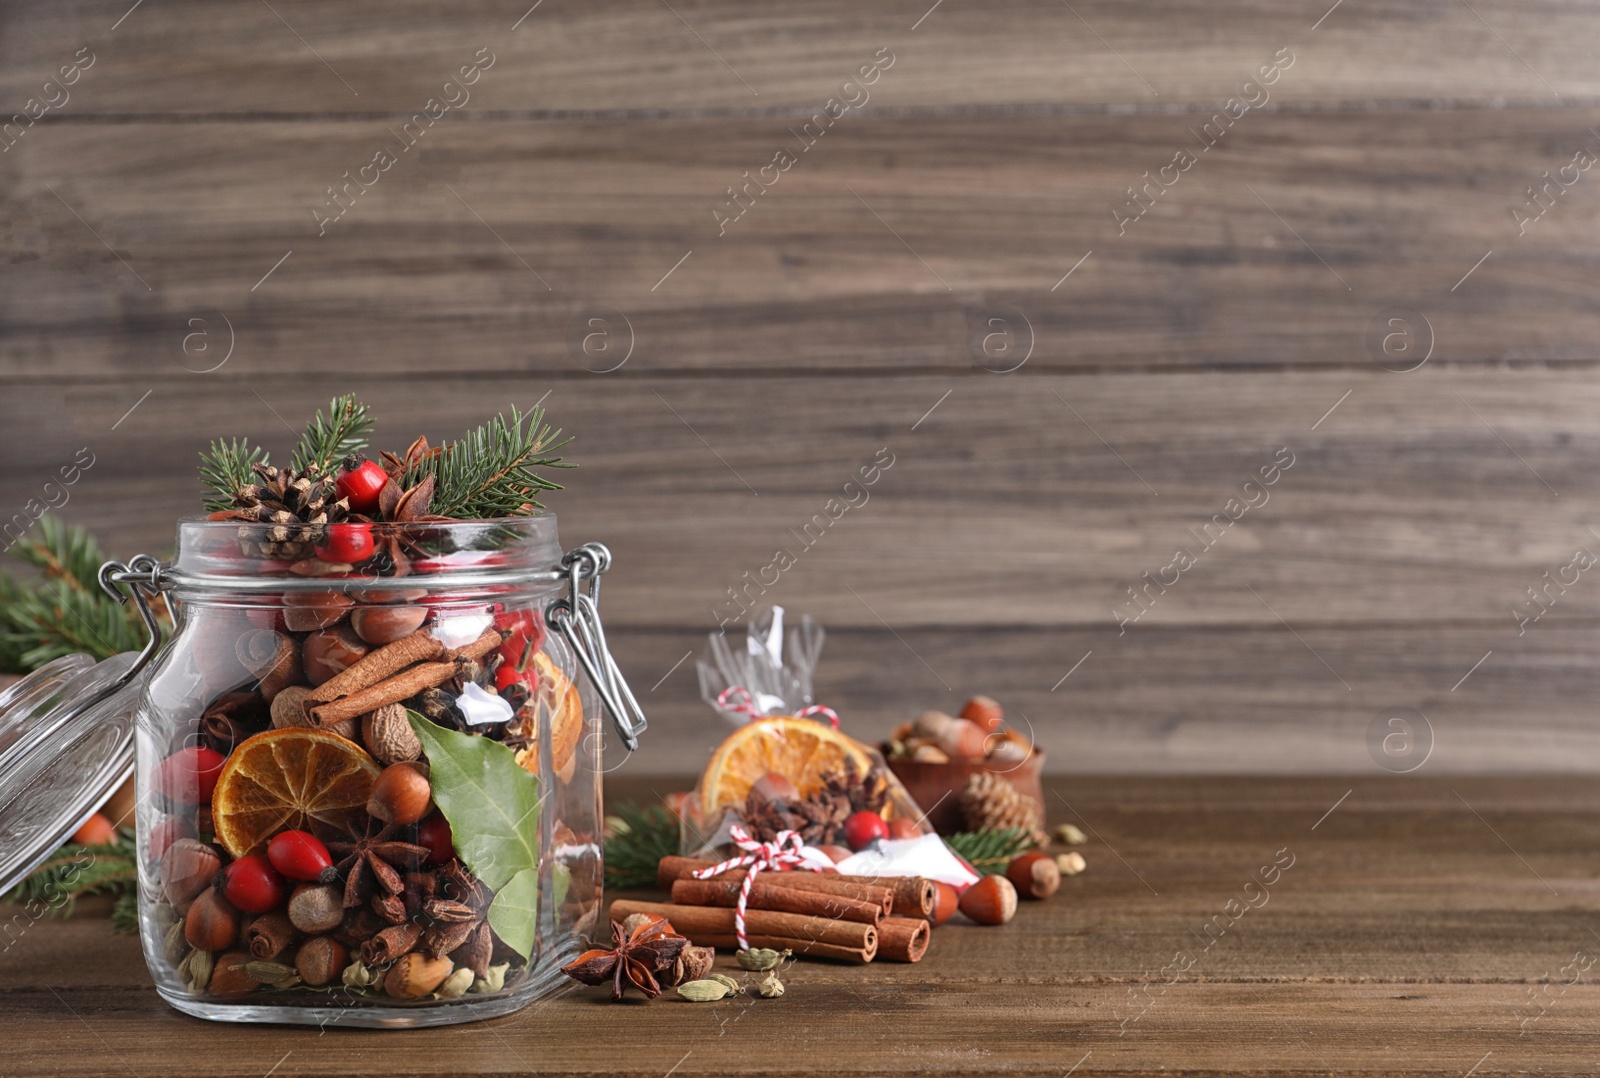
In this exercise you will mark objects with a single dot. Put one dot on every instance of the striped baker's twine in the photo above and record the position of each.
(784, 850)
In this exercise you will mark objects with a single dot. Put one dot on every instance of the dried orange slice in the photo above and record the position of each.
(294, 779)
(559, 696)
(803, 750)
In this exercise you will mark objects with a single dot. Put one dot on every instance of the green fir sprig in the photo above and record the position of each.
(333, 435)
(490, 472)
(76, 870)
(991, 851)
(226, 467)
(63, 610)
(637, 838)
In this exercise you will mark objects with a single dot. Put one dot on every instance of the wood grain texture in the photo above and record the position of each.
(1404, 937)
(299, 57)
(891, 244)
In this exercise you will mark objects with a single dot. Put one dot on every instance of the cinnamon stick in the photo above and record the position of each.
(809, 948)
(903, 939)
(675, 868)
(480, 647)
(914, 896)
(269, 935)
(800, 934)
(377, 665)
(719, 891)
(402, 686)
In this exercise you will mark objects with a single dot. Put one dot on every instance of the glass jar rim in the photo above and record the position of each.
(252, 557)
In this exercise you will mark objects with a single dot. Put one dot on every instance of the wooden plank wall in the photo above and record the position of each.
(949, 268)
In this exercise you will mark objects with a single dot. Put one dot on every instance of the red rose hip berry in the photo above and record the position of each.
(189, 775)
(434, 834)
(253, 885)
(361, 485)
(864, 828)
(347, 544)
(300, 855)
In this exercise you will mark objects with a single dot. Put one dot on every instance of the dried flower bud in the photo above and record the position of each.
(704, 991)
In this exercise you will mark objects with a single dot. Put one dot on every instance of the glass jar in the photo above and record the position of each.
(373, 800)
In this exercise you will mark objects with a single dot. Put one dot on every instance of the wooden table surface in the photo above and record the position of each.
(1425, 927)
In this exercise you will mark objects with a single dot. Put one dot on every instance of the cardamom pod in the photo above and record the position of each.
(196, 969)
(761, 959)
(706, 991)
(456, 984)
(172, 942)
(733, 986)
(493, 981)
(770, 987)
(276, 974)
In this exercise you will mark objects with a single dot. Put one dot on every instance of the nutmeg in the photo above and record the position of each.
(329, 652)
(187, 868)
(388, 735)
(985, 711)
(945, 901)
(289, 709)
(1034, 874)
(211, 923)
(401, 794)
(229, 978)
(415, 975)
(320, 960)
(315, 610)
(990, 901)
(386, 624)
(316, 907)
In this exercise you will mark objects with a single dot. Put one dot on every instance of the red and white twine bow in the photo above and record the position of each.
(782, 851)
(736, 699)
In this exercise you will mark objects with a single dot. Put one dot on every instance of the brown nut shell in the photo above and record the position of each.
(316, 907)
(1034, 874)
(415, 975)
(305, 611)
(212, 923)
(228, 978)
(386, 624)
(320, 960)
(388, 735)
(328, 652)
(187, 869)
(990, 901)
(401, 794)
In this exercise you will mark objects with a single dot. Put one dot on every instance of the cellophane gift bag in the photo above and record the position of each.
(788, 765)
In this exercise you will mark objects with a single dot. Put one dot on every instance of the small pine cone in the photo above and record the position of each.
(990, 803)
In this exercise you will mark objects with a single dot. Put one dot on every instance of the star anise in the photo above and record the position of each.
(651, 948)
(364, 859)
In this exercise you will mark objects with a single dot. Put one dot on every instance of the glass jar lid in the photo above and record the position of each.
(66, 743)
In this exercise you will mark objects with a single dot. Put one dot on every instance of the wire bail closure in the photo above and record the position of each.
(577, 618)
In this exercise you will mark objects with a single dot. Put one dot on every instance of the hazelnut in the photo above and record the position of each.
(415, 975)
(316, 907)
(315, 610)
(984, 711)
(187, 868)
(228, 978)
(931, 724)
(990, 901)
(945, 902)
(386, 624)
(320, 960)
(837, 853)
(929, 754)
(331, 651)
(963, 740)
(1034, 874)
(773, 788)
(1071, 864)
(211, 923)
(401, 794)
(388, 735)
(904, 827)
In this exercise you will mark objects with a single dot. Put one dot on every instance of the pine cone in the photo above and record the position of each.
(299, 505)
(990, 803)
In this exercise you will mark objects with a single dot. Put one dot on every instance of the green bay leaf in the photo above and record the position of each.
(514, 913)
(491, 802)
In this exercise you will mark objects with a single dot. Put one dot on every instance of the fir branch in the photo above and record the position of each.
(991, 851)
(490, 472)
(636, 841)
(226, 468)
(67, 554)
(334, 435)
(125, 913)
(76, 870)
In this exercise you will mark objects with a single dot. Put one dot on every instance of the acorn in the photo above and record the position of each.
(211, 923)
(316, 907)
(990, 901)
(320, 960)
(1034, 874)
(401, 794)
(415, 975)
(187, 868)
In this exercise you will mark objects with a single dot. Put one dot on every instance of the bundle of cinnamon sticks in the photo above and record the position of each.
(392, 673)
(847, 918)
